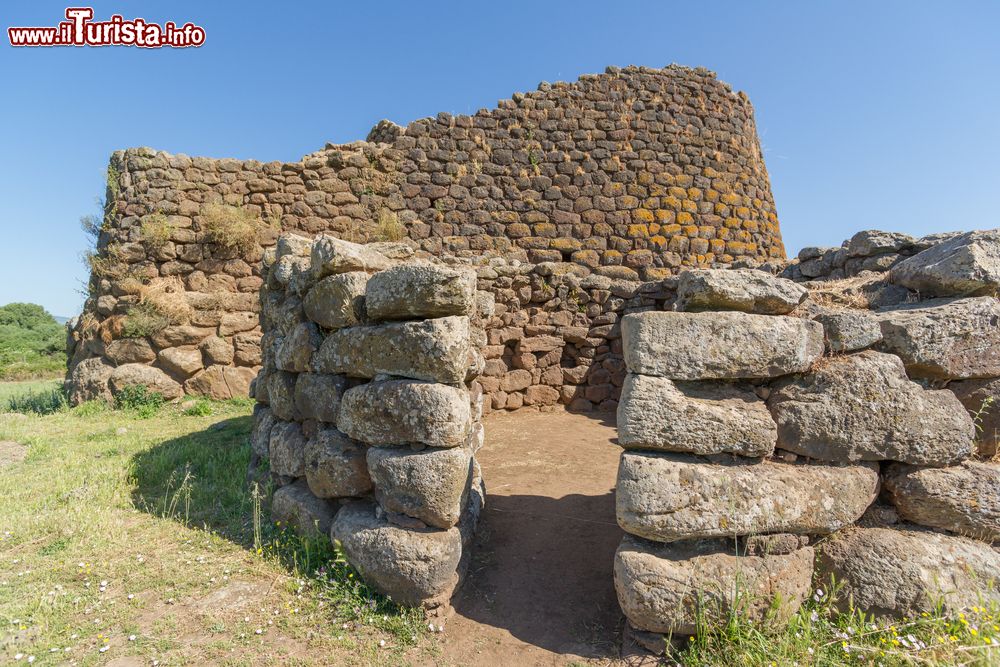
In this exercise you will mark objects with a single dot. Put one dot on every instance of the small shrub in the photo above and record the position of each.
(161, 304)
(231, 227)
(389, 228)
(40, 403)
(155, 230)
(138, 397)
(199, 409)
(143, 319)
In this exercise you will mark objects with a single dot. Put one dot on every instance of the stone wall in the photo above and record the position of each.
(367, 415)
(777, 437)
(629, 175)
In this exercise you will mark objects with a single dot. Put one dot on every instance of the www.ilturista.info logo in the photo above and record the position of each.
(79, 30)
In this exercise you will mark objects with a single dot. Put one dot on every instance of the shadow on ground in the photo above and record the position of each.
(200, 479)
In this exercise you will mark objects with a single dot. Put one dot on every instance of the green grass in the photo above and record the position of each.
(117, 526)
(15, 390)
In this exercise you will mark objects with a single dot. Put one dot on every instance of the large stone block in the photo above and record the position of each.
(665, 588)
(697, 417)
(331, 255)
(286, 447)
(89, 380)
(862, 407)
(281, 395)
(704, 346)
(335, 465)
(945, 338)
(155, 380)
(337, 301)
(221, 382)
(965, 265)
(892, 573)
(982, 399)
(747, 290)
(964, 499)
(420, 291)
(668, 497)
(849, 330)
(406, 412)
(260, 434)
(129, 351)
(295, 353)
(318, 395)
(433, 350)
(412, 566)
(293, 506)
(430, 485)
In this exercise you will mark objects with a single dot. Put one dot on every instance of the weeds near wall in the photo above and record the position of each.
(155, 230)
(388, 228)
(38, 403)
(140, 399)
(231, 227)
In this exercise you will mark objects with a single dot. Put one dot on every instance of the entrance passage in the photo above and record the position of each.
(540, 585)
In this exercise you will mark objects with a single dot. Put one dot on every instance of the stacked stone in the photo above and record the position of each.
(744, 445)
(630, 174)
(365, 409)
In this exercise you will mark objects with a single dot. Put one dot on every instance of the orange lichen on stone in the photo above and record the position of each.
(643, 215)
(684, 218)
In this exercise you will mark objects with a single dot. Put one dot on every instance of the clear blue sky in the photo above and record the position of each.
(872, 114)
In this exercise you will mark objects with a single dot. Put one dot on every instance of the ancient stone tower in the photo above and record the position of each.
(566, 197)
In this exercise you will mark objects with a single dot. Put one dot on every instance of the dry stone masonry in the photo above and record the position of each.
(780, 435)
(367, 414)
(575, 200)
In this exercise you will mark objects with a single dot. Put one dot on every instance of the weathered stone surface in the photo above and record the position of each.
(849, 330)
(411, 566)
(216, 351)
(154, 379)
(429, 485)
(902, 572)
(183, 334)
(260, 434)
(221, 382)
(331, 255)
(295, 353)
(182, 362)
(874, 242)
(420, 291)
(945, 338)
(747, 290)
(664, 587)
(964, 499)
(335, 465)
(317, 396)
(293, 506)
(281, 395)
(129, 351)
(287, 448)
(730, 345)
(668, 497)
(862, 407)
(698, 417)
(337, 301)
(89, 381)
(965, 265)
(982, 399)
(434, 350)
(406, 412)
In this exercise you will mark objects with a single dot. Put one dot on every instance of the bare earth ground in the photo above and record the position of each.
(539, 589)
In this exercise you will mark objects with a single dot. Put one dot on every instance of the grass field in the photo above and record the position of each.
(131, 535)
(10, 390)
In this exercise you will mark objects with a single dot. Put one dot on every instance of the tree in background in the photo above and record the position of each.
(32, 343)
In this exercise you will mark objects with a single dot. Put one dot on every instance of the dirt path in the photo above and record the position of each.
(540, 590)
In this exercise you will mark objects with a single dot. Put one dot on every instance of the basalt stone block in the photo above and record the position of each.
(697, 417)
(155, 380)
(668, 497)
(862, 407)
(964, 499)
(89, 380)
(296, 350)
(434, 350)
(281, 395)
(318, 395)
(129, 351)
(420, 291)
(221, 382)
(892, 573)
(876, 242)
(293, 505)
(429, 485)
(982, 399)
(286, 449)
(337, 301)
(412, 566)
(182, 362)
(335, 465)
(726, 345)
(945, 338)
(849, 330)
(964, 265)
(331, 255)
(260, 434)
(663, 588)
(747, 290)
(406, 412)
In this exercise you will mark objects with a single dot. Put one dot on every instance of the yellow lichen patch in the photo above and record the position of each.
(615, 189)
(694, 194)
(544, 229)
(751, 225)
(628, 202)
(664, 216)
(672, 202)
(684, 218)
(639, 231)
(684, 180)
(689, 206)
(710, 173)
(565, 244)
(699, 246)
(717, 245)
(645, 178)
(658, 241)
(742, 212)
(731, 198)
(706, 231)
(675, 191)
(722, 210)
(670, 230)
(737, 248)
(732, 223)
(711, 195)
(643, 215)
(691, 231)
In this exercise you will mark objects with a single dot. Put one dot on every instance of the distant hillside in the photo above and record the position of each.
(32, 342)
